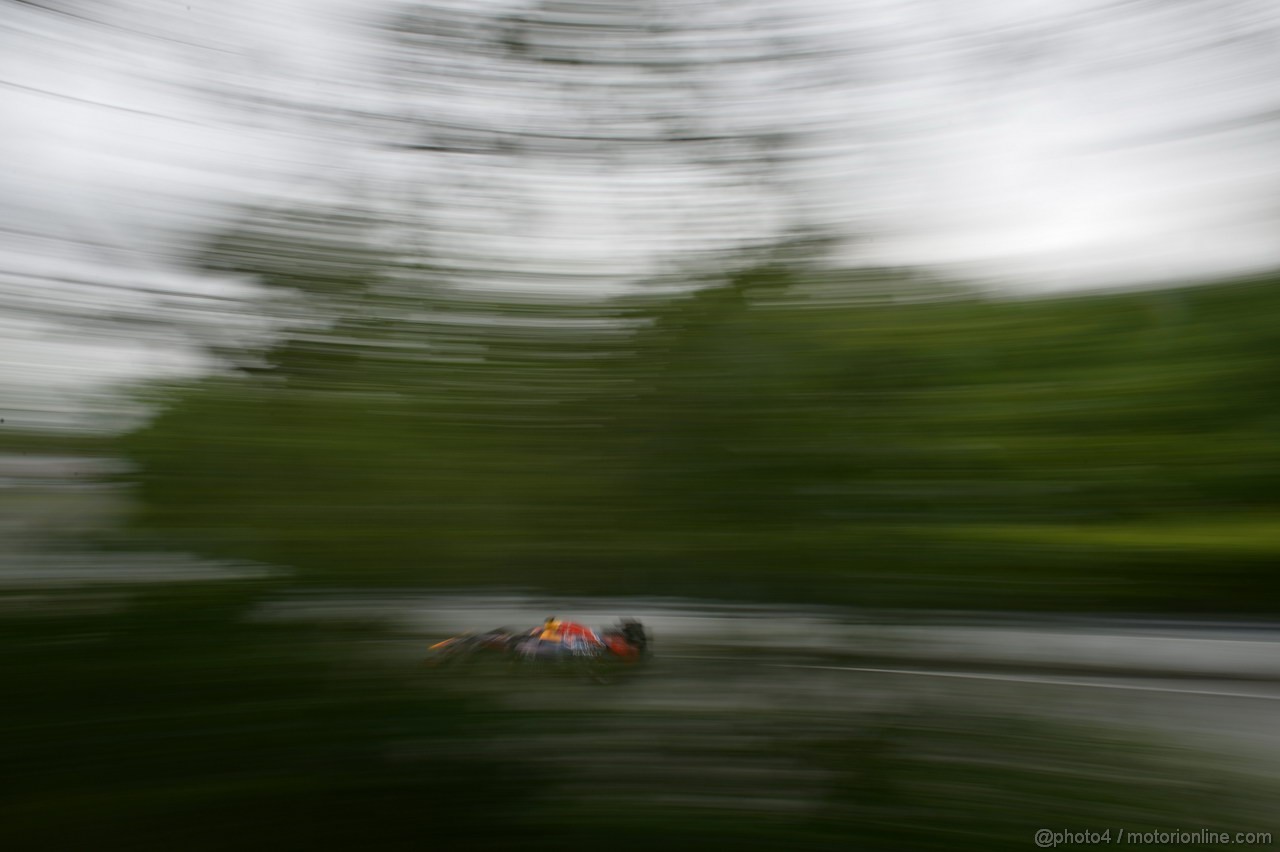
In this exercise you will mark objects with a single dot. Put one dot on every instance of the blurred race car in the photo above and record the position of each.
(566, 643)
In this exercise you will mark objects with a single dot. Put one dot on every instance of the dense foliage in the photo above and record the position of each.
(863, 437)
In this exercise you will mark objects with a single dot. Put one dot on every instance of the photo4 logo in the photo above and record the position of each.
(1048, 838)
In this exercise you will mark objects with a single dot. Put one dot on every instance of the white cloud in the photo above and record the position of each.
(1039, 142)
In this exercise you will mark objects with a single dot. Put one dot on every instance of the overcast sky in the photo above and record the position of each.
(1041, 144)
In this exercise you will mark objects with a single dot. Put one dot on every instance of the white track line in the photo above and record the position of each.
(1028, 679)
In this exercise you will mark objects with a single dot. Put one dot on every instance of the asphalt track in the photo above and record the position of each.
(1201, 683)
(1028, 679)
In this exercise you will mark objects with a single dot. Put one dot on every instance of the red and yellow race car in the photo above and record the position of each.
(554, 641)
